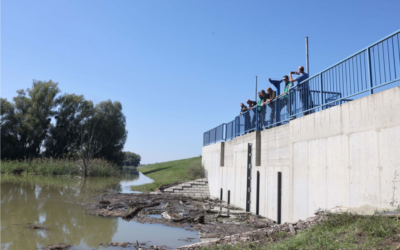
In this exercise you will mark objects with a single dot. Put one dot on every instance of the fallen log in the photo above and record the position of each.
(134, 211)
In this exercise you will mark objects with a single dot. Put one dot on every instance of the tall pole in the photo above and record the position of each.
(307, 62)
(255, 98)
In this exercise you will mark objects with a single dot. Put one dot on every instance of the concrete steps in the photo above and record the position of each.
(196, 188)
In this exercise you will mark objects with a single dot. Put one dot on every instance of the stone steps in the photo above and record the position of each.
(196, 188)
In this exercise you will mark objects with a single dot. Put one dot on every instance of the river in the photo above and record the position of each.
(44, 201)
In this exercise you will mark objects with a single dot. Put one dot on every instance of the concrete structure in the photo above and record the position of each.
(196, 188)
(346, 155)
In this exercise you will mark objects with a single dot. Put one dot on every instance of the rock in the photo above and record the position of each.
(58, 246)
(104, 202)
(17, 171)
(292, 230)
(166, 216)
(123, 244)
(37, 227)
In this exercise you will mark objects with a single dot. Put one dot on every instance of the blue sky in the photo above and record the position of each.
(179, 68)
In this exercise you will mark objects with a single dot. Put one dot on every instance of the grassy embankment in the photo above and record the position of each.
(339, 231)
(169, 172)
(49, 166)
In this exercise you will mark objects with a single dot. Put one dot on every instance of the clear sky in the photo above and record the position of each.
(179, 67)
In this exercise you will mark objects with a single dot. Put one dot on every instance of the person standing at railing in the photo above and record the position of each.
(251, 104)
(260, 103)
(243, 109)
(304, 88)
(285, 94)
(268, 101)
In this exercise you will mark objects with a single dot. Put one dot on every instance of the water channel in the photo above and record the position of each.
(44, 201)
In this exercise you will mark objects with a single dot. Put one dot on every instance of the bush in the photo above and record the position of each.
(197, 170)
(65, 166)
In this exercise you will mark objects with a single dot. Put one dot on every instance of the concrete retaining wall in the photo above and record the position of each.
(342, 156)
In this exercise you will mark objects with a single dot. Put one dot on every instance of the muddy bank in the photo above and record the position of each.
(208, 216)
(260, 236)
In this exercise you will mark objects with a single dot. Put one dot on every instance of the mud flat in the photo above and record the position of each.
(213, 219)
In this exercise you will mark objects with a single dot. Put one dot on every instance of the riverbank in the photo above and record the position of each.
(165, 173)
(50, 166)
(325, 231)
(224, 227)
(44, 210)
(208, 216)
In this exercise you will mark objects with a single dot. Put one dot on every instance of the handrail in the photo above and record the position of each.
(373, 67)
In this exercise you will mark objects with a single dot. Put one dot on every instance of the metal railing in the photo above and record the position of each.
(358, 75)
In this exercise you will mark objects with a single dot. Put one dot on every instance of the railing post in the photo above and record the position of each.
(277, 114)
(321, 94)
(226, 132)
(289, 93)
(257, 125)
(371, 91)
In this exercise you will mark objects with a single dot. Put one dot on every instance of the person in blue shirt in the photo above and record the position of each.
(304, 88)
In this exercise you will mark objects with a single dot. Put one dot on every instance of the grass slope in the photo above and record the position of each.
(167, 172)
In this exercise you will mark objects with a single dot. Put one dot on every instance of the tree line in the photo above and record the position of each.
(42, 122)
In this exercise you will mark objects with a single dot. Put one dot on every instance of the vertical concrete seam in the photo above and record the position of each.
(326, 174)
(349, 167)
(379, 169)
(308, 177)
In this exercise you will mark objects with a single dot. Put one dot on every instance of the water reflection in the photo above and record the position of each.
(41, 200)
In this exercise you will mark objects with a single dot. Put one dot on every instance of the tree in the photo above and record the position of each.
(103, 135)
(8, 138)
(63, 139)
(27, 120)
(131, 159)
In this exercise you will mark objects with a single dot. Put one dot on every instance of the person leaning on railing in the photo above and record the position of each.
(243, 108)
(304, 88)
(251, 104)
(285, 94)
(262, 98)
(271, 95)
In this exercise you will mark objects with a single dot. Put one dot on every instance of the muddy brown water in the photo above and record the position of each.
(32, 200)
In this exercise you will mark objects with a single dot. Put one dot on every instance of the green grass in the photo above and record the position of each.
(97, 184)
(50, 166)
(168, 172)
(339, 231)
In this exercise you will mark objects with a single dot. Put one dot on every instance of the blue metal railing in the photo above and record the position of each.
(358, 75)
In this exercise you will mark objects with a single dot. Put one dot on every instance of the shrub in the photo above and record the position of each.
(197, 170)
(64, 166)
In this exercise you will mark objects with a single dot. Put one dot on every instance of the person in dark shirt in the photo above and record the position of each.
(251, 103)
(304, 88)
(243, 108)
(270, 96)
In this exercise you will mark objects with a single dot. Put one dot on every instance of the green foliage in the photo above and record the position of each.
(26, 121)
(166, 173)
(197, 170)
(64, 136)
(50, 166)
(338, 231)
(131, 159)
(81, 130)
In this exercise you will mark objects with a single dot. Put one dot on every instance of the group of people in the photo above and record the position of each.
(267, 97)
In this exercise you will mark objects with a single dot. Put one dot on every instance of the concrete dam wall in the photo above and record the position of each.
(346, 155)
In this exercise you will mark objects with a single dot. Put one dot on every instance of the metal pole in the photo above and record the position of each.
(307, 61)
(255, 98)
